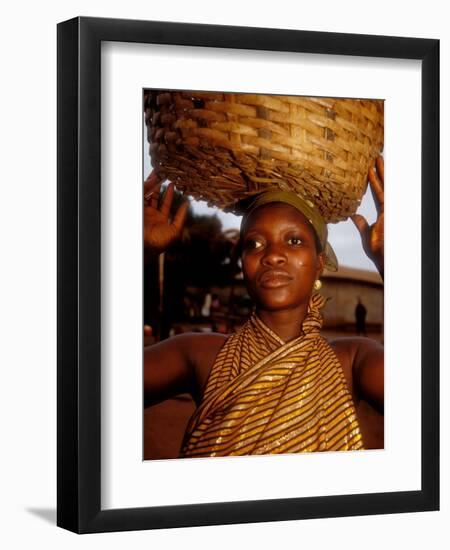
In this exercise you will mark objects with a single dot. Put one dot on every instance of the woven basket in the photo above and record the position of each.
(223, 147)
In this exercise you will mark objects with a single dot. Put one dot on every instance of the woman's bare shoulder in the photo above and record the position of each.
(353, 343)
(189, 341)
(199, 341)
(201, 349)
(180, 364)
(362, 360)
(355, 350)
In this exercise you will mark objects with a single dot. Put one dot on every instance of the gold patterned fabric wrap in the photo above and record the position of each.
(265, 396)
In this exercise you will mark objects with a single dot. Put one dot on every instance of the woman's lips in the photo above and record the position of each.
(274, 279)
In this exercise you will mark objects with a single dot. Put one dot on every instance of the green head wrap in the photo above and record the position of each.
(303, 205)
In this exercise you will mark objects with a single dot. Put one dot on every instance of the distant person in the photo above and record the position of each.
(206, 309)
(360, 316)
(215, 303)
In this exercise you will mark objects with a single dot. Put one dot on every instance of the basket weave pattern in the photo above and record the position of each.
(223, 147)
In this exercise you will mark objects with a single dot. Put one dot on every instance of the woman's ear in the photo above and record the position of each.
(320, 264)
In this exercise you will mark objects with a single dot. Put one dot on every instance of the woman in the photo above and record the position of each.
(276, 385)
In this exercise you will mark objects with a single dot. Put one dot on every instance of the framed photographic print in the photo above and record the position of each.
(160, 298)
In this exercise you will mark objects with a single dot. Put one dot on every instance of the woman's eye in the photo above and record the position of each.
(252, 244)
(295, 241)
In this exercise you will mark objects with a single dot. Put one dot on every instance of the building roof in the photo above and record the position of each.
(351, 273)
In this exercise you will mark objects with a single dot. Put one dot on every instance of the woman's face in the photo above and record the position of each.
(280, 260)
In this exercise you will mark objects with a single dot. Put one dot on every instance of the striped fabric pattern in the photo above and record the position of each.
(265, 396)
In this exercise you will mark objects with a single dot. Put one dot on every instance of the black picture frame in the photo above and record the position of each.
(79, 275)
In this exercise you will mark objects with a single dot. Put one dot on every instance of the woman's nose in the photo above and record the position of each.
(273, 256)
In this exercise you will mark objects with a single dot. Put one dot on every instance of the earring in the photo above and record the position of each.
(317, 284)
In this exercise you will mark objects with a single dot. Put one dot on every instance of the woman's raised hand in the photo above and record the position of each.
(372, 236)
(159, 230)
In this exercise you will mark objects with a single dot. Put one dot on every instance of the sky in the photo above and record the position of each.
(343, 236)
